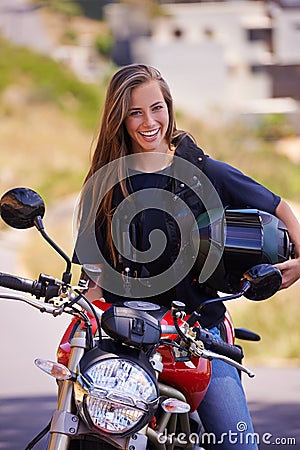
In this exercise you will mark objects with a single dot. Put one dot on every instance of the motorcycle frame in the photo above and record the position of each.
(168, 422)
(64, 423)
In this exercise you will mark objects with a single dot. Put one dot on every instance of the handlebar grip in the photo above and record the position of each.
(218, 346)
(19, 283)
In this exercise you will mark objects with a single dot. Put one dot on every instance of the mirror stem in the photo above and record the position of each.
(38, 222)
(245, 286)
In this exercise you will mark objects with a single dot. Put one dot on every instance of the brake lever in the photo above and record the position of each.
(43, 307)
(208, 354)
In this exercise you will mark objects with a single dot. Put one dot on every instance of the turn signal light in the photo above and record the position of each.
(56, 370)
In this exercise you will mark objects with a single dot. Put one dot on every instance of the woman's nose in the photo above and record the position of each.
(148, 119)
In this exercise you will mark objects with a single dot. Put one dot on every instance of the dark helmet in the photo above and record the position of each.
(240, 239)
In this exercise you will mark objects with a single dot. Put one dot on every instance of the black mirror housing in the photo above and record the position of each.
(20, 206)
(265, 281)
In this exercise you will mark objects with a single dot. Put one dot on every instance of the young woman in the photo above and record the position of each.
(147, 182)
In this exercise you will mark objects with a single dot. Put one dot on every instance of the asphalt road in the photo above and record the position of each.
(274, 400)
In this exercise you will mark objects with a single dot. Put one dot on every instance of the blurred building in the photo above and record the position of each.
(228, 57)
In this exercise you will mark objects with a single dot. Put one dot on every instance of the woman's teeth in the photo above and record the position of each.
(149, 133)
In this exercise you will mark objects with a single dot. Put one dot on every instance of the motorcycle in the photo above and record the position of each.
(132, 375)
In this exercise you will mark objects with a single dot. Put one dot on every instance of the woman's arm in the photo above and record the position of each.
(290, 269)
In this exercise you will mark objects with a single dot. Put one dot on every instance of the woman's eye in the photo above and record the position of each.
(134, 113)
(157, 107)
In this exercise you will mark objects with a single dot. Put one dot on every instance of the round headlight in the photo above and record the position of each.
(117, 396)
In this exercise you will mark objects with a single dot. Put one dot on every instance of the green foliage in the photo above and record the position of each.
(93, 9)
(61, 182)
(70, 37)
(152, 8)
(104, 44)
(66, 7)
(274, 127)
(49, 81)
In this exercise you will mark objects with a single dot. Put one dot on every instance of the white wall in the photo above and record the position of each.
(196, 73)
(287, 36)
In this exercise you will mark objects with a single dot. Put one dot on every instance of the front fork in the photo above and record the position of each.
(166, 435)
(64, 424)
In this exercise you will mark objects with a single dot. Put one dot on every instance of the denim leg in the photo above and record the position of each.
(224, 411)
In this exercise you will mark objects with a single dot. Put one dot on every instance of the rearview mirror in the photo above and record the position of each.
(19, 207)
(265, 280)
(25, 208)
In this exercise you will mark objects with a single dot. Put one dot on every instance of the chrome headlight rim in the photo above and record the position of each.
(110, 399)
(143, 420)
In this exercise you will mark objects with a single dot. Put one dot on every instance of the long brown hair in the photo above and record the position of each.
(113, 140)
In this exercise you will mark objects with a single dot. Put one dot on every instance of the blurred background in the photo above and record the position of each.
(234, 70)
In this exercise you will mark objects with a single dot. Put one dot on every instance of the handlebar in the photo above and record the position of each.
(219, 346)
(32, 287)
(211, 343)
(39, 289)
(214, 348)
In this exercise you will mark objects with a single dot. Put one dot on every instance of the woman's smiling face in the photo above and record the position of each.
(147, 119)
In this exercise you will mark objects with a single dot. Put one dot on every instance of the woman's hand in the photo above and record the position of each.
(290, 269)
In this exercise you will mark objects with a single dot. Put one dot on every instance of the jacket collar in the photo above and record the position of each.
(189, 151)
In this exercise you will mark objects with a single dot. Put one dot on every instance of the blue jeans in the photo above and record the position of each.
(224, 411)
